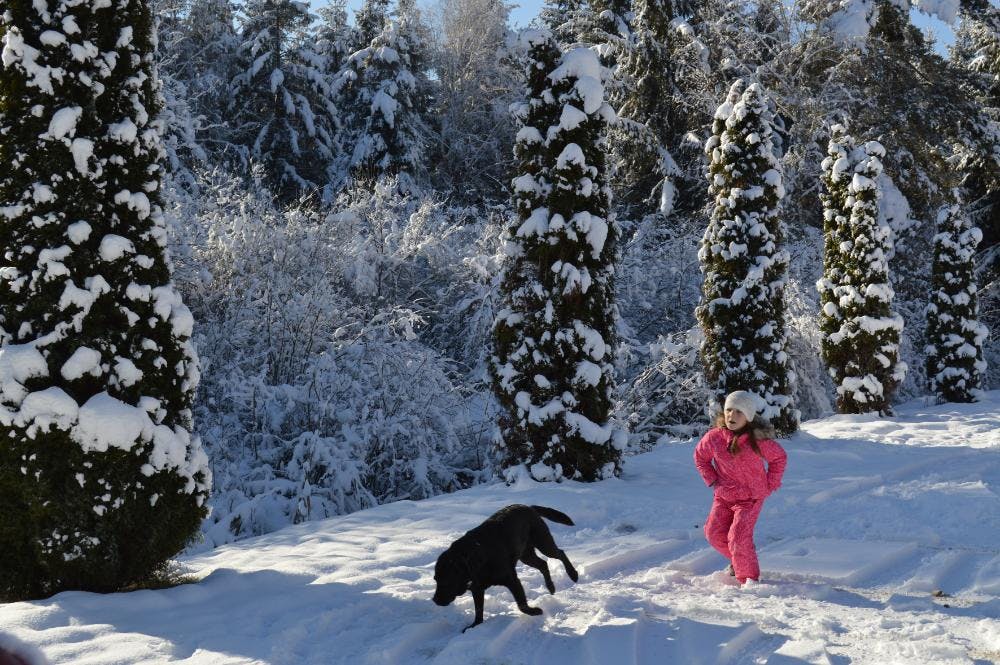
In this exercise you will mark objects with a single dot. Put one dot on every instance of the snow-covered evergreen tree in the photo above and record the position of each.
(649, 117)
(861, 332)
(370, 20)
(955, 336)
(838, 169)
(743, 260)
(180, 121)
(334, 36)
(977, 51)
(555, 333)
(384, 128)
(101, 477)
(283, 112)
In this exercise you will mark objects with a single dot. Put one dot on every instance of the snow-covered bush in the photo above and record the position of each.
(101, 478)
(813, 390)
(667, 399)
(988, 278)
(318, 396)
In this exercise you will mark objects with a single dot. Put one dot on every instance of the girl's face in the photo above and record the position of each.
(735, 419)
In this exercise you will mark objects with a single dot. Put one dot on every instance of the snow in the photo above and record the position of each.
(873, 516)
(852, 22)
(82, 150)
(571, 118)
(124, 131)
(945, 10)
(64, 121)
(582, 63)
(595, 228)
(113, 247)
(16, 51)
(386, 106)
(78, 232)
(48, 407)
(537, 223)
(83, 361)
(126, 371)
(589, 430)
(106, 422)
(18, 363)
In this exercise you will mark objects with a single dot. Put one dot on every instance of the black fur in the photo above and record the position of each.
(487, 556)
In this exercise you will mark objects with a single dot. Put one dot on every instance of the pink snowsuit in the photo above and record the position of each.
(741, 485)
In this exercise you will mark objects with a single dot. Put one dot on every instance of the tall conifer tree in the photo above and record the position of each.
(101, 478)
(649, 117)
(282, 100)
(955, 337)
(838, 169)
(370, 20)
(860, 330)
(555, 334)
(743, 261)
(384, 126)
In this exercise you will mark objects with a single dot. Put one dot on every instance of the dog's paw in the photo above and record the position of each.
(573, 575)
(533, 611)
(550, 586)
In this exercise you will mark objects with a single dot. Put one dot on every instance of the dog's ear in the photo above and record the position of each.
(472, 565)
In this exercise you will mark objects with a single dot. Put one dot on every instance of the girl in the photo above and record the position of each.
(730, 458)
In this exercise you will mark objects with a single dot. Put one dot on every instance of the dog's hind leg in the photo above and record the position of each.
(545, 544)
(517, 590)
(535, 561)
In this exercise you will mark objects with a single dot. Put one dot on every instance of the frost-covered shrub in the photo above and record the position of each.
(101, 478)
(555, 330)
(319, 397)
(663, 391)
(812, 389)
(667, 399)
(955, 336)
(743, 259)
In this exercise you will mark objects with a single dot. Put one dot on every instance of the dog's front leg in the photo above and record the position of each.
(514, 584)
(478, 597)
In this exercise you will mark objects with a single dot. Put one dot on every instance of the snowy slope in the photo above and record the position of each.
(874, 515)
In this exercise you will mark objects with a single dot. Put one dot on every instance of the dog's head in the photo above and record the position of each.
(452, 575)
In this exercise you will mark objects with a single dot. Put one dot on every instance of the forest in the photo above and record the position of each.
(405, 252)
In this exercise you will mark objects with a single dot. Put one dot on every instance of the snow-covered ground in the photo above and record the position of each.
(875, 516)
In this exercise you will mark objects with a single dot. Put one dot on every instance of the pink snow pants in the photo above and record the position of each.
(729, 529)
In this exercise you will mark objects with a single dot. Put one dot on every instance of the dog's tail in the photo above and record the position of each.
(554, 515)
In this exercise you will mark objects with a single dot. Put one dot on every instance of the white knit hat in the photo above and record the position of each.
(744, 402)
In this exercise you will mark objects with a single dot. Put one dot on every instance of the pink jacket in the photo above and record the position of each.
(741, 476)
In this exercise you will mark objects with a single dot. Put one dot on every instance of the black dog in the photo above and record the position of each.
(487, 556)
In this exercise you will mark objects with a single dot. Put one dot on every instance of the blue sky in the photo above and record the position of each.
(528, 9)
